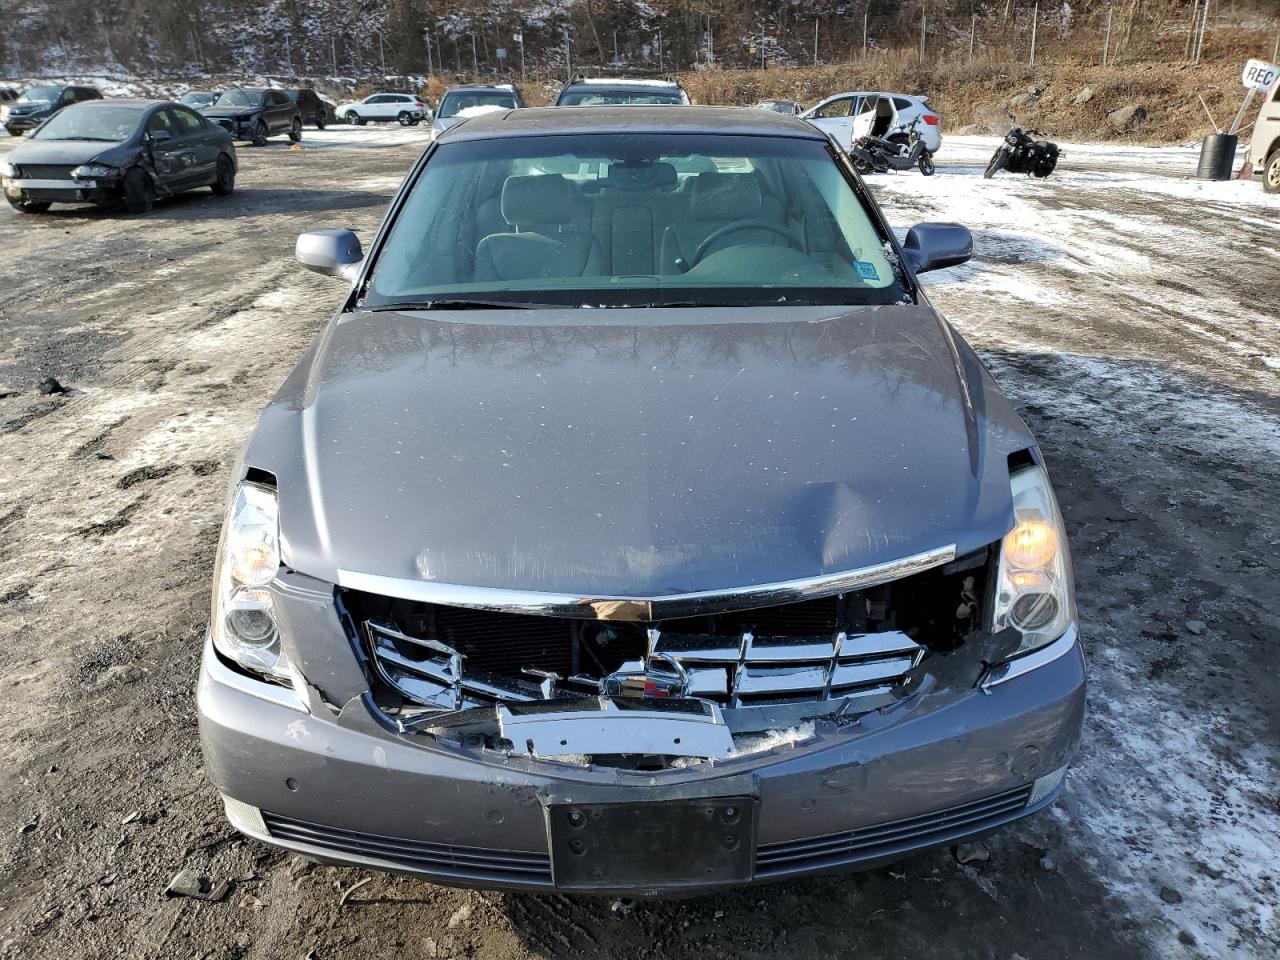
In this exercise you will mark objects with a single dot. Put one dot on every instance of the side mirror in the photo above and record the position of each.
(159, 136)
(932, 246)
(335, 253)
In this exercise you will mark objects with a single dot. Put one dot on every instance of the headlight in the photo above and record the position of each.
(7, 169)
(243, 623)
(1034, 590)
(93, 171)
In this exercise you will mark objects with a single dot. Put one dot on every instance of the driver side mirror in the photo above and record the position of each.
(933, 246)
(335, 253)
(159, 136)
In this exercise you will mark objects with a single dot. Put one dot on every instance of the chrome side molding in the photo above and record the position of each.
(645, 609)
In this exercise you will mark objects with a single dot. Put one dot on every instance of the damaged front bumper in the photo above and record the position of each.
(347, 785)
(61, 191)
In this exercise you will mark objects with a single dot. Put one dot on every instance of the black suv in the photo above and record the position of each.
(37, 104)
(314, 109)
(255, 115)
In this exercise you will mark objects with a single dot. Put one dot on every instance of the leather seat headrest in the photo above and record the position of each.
(725, 196)
(537, 199)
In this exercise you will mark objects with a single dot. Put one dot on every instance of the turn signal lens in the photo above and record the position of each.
(1031, 545)
(252, 549)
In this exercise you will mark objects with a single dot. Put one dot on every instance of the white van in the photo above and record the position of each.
(1264, 149)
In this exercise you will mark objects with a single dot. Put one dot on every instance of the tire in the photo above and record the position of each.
(295, 131)
(260, 134)
(13, 132)
(225, 180)
(139, 194)
(355, 119)
(320, 122)
(998, 163)
(1271, 173)
(926, 164)
(404, 118)
(28, 206)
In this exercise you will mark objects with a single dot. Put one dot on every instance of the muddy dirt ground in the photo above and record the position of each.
(1132, 314)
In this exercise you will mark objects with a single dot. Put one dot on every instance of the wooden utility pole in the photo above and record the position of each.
(1035, 20)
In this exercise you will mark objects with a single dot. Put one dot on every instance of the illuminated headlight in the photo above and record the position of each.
(7, 169)
(243, 622)
(93, 171)
(1034, 590)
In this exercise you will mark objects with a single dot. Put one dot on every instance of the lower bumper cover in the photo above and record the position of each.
(58, 191)
(357, 793)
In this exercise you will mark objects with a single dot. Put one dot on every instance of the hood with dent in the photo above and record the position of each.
(635, 452)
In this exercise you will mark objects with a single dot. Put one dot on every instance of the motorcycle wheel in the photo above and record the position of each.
(998, 163)
(926, 164)
(862, 168)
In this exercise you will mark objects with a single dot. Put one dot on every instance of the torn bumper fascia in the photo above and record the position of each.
(301, 753)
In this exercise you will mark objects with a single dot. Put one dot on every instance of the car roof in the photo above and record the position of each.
(495, 87)
(120, 102)
(577, 121)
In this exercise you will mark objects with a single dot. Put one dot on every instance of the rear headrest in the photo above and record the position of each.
(724, 196)
(647, 176)
(540, 198)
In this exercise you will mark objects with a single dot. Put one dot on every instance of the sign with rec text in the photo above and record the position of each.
(1259, 75)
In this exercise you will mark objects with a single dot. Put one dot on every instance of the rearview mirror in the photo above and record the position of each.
(335, 253)
(932, 246)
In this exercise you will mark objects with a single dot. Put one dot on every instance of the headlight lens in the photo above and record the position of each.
(243, 623)
(1034, 589)
(92, 171)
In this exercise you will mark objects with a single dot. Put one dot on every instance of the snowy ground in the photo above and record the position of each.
(1131, 312)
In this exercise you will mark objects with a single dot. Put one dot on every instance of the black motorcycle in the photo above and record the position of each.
(1018, 153)
(900, 151)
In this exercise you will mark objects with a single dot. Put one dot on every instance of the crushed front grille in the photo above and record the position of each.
(864, 642)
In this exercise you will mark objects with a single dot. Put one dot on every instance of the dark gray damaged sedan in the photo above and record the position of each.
(637, 527)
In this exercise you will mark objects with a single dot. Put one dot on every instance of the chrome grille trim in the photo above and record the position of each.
(671, 607)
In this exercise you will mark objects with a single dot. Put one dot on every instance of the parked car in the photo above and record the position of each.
(791, 108)
(466, 99)
(255, 115)
(118, 152)
(545, 644)
(1264, 148)
(37, 104)
(315, 109)
(582, 91)
(198, 100)
(405, 108)
(848, 116)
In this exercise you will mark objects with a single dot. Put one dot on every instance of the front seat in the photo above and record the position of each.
(717, 200)
(545, 242)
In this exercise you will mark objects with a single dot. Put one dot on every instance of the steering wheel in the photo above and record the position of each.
(734, 227)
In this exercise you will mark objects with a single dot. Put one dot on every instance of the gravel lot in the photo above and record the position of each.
(1132, 313)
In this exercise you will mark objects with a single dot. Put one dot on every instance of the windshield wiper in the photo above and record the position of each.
(457, 305)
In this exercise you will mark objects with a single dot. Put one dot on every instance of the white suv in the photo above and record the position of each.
(847, 116)
(403, 107)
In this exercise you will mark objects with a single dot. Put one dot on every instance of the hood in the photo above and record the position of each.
(635, 452)
(58, 152)
(444, 123)
(30, 106)
(229, 112)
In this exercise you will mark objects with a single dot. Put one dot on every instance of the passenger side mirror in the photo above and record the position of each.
(335, 253)
(932, 246)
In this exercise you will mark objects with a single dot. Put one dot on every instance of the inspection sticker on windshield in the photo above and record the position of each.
(866, 269)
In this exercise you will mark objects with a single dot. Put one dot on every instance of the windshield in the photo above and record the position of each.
(109, 123)
(613, 220)
(455, 102)
(615, 98)
(240, 98)
(196, 98)
(31, 94)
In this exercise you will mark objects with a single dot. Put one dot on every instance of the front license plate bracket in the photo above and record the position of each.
(660, 843)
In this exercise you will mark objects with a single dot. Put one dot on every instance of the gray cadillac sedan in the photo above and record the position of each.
(637, 527)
